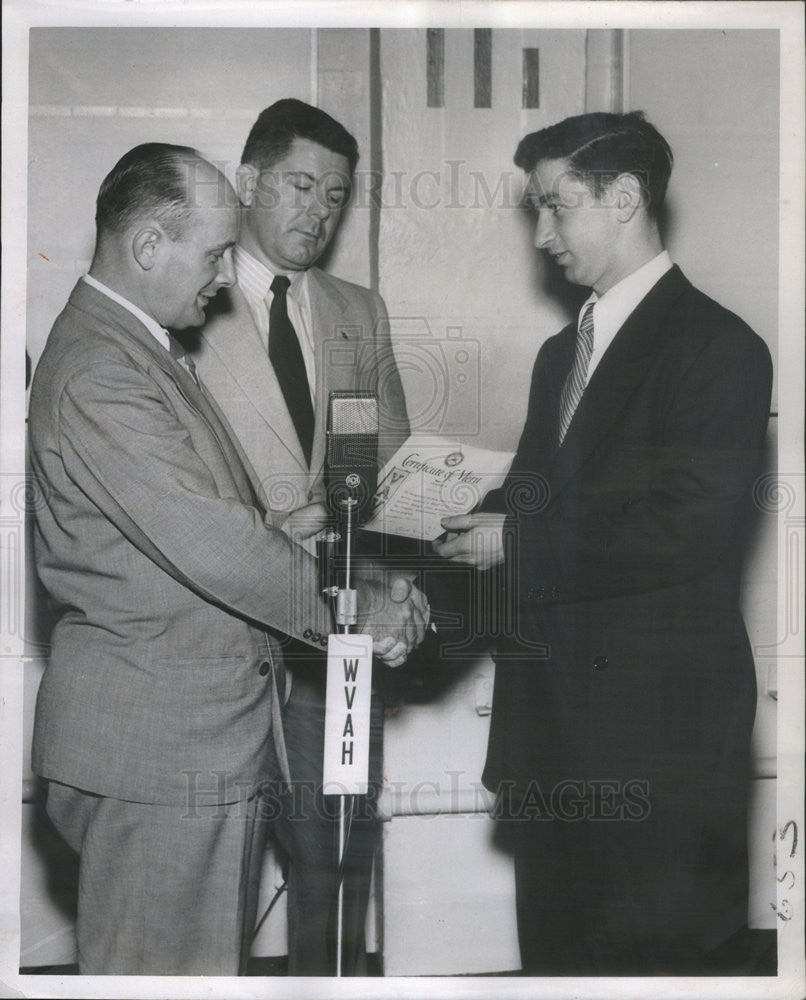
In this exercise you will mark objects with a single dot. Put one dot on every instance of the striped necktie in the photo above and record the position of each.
(575, 383)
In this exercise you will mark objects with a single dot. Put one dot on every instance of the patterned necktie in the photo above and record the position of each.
(285, 355)
(190, 364)
(185, 360)
(575, 383)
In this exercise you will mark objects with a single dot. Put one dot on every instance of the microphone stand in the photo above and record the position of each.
(346, 616)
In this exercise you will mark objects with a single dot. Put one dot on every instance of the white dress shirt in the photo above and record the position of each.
(254, 280)
(612, 309)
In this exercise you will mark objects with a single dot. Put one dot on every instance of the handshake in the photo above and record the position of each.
(390, 607)
(399, 624)
(395, 613)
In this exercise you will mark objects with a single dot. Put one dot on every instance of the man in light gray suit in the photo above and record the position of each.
(157, 721)
(294, 182)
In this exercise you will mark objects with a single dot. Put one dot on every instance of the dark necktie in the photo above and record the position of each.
(575, 383)
(285, 355)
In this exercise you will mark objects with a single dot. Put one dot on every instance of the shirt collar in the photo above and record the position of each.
(613, 308)
(159, 333)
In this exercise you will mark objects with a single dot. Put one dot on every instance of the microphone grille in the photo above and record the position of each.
(353, 412)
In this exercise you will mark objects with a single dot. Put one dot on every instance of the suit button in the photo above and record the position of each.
(530, 594)
(307, 634)
(264, 668)
(541, 594)
(600, 663)
(315, 637)
(323, 641)
(555, 593)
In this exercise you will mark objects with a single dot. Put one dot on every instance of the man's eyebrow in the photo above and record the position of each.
(221, 247)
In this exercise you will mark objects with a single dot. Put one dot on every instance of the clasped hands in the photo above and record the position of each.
(390, 607)
(394, 612)
(472, 539)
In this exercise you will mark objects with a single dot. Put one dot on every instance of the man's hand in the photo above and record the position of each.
(474, 539)
(395, 613)
(304, 522)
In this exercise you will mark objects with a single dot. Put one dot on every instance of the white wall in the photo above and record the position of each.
(715, 96)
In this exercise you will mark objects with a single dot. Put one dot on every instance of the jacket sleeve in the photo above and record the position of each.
(684, 523)
(128, 452)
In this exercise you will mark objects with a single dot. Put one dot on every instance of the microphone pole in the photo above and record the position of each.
(350, 482)
(346, 616)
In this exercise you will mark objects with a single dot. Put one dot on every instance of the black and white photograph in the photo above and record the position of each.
(402, 499)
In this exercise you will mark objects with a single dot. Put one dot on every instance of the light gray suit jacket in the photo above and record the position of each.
(162, 677)
(353, 350)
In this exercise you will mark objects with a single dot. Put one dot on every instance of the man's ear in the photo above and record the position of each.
(629, 196)
(146, 245)
(246, 177)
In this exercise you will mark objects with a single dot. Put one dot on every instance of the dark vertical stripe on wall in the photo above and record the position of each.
(619, 97)
(483, 68)
(531, 78)
(375, 154)
(435, 67)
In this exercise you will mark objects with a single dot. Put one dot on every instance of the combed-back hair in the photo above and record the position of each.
(600, 146)
(154, 181)
(277, 126)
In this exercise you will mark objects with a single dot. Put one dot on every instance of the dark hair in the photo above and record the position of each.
(600, 146)
(150, 180)
(284, 121)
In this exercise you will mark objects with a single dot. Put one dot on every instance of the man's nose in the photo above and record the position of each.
(544, 231)
(318, 207)
(226, 270)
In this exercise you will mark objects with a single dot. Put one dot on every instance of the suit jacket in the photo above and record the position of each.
(630, 653)
(352, 351)
(627, 691)
(171, 588)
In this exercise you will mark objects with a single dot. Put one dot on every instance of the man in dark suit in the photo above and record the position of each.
(624, 700)
(294, 182)
(158, 718)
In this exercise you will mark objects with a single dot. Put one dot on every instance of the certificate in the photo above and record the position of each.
(429, 478)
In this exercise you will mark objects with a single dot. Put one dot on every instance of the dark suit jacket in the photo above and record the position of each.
(630, 661)
(170, 586)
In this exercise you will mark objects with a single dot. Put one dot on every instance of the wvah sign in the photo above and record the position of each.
(349, 691)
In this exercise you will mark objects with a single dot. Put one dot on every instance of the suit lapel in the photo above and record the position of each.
(236, 341)
(232, 335)
(551, 387)
(124, 327)
(624, 364)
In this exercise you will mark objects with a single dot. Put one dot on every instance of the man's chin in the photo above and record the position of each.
(191, 321)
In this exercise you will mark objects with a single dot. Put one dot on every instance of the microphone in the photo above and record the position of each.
(351, 463)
